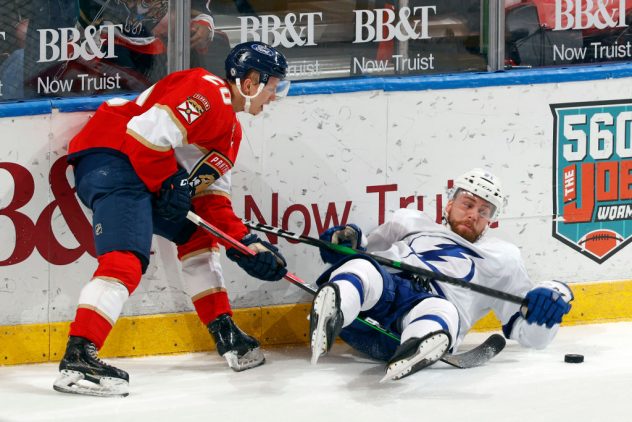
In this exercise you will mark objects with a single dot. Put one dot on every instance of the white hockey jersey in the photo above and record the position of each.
(412, 237)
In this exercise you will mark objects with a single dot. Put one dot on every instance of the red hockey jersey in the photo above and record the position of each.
(188, 111)
(186, 118)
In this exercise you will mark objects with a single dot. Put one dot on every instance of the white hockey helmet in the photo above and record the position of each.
(483, 184)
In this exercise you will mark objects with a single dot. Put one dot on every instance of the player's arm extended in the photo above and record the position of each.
(549, 302)
(546, 302)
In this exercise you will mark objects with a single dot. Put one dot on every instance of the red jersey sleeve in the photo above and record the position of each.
(189, 107)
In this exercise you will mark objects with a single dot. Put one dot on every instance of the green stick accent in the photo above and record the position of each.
(378, 328)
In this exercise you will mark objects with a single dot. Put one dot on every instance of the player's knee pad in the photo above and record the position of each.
(203, 273)
(122, 266)
(429, 315)
(371, 280)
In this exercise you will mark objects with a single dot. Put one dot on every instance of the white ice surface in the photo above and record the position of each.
(518, 385)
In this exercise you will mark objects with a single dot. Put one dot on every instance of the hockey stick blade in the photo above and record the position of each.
(479, 355)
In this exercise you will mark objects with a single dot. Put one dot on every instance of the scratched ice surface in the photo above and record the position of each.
(518, 385)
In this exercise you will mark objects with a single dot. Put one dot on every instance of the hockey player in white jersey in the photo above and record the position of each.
(432, 318)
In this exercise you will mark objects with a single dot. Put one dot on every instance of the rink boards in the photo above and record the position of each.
(317, 159)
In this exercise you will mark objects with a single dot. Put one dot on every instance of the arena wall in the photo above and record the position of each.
(310, 161)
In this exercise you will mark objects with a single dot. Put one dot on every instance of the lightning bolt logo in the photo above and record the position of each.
(448, 250)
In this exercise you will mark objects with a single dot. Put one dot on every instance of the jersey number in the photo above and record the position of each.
(223, 90)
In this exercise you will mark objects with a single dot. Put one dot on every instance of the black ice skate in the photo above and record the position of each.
(82, 372)
(325, 320)
(240, 350)
(417, 353)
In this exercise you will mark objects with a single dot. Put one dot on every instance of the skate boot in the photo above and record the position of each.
(325, 320)
(240, 350)
(82, 372)
(417, 353)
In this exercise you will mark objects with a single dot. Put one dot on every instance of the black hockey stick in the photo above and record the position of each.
(474, 357)
(345, 250)
(477, 356)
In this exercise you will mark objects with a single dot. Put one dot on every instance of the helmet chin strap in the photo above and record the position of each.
(248, 97)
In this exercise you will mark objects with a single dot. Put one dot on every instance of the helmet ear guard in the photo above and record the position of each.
(483, 184)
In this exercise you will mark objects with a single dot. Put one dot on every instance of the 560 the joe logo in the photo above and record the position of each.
(592, 162)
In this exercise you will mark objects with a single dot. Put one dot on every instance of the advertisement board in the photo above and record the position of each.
(310, 162)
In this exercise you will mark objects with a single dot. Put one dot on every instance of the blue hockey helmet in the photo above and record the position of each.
(256, 55)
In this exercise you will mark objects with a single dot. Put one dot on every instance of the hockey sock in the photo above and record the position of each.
(428, 316)
(102, 299)
(210, 306)
(351, 296)
(121, 266)
(204, 282)
(361, 286)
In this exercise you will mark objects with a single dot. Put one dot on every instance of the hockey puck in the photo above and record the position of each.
(571, 358)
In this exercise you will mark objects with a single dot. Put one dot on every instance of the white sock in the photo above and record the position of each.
(349, 301)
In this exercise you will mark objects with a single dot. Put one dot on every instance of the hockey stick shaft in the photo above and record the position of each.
(387, 262)
(242, 248)
(199, 221)
(472, 358)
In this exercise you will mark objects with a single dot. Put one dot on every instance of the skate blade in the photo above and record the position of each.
(430, 349)
(251, 359)
(74, 382)
(324, 308)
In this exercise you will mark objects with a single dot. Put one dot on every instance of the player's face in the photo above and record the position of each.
(469, 215)
(267, 95)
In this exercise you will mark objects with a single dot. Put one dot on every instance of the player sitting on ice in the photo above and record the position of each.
(136, 164)
(432, 318)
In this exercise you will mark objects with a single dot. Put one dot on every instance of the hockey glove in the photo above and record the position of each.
(548, 303)
(173, 200)
(349, 235)
(268, 263)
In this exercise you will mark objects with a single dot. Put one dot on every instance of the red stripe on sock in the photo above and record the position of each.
(89, 324)
(210, 307)
(121, 265)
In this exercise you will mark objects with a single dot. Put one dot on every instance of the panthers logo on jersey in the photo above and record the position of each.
(210, 168)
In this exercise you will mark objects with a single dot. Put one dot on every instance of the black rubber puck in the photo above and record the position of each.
(571, 358)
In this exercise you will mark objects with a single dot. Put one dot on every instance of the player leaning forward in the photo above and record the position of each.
(132, 163)
(432, 318)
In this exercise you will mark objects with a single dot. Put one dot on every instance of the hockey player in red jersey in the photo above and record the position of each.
(137, 165)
